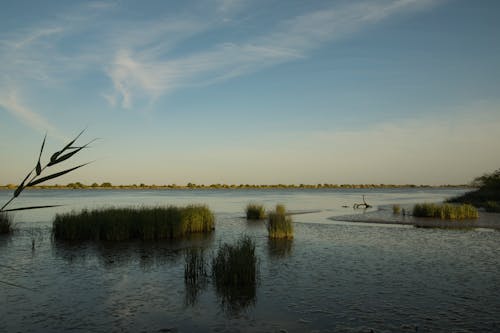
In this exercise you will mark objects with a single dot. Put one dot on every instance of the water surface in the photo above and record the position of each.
(333, 277)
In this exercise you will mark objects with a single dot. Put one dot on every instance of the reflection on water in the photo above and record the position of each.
(235, 299)
(279, 247)
(146, 254)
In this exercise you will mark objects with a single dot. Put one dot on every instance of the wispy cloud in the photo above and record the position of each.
(14, 105)
(144, 60)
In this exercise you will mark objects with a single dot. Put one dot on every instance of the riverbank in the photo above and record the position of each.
(384, 215)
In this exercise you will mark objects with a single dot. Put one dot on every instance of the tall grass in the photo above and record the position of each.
(445, 211)
(5, 223)
(396, 209)
(195, 273)
(255, 212)
(145, 223)
(234, 270)
(279, 224)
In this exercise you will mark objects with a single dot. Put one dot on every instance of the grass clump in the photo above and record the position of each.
(5, 223)
(279, 225)
(255, 212)
(492, 206)
(234, 272)
(445, 211)
(487, 194)
(396, 209)
(145, 223)
(195, 273)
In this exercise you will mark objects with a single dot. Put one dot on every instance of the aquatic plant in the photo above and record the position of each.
(195, 273)
(488, 191)
(445, 211)
(35, 177)
(492, 206)
(145, 223)
(279, 224)
(234, 271)
(5, 223)
(255, 211)
(396, 209)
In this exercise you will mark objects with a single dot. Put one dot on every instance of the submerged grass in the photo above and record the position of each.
(5, 223)
(279, 225)
(234, 271)
(145, 223)
(195, 274)
(255, 211)
(445, 211)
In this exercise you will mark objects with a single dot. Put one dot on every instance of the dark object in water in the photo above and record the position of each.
(361, 205)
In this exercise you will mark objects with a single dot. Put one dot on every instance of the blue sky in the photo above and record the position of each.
(380, 91)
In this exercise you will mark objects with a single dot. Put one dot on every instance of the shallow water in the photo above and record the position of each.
(334, 276)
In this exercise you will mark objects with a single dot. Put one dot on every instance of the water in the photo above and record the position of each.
(333, 277)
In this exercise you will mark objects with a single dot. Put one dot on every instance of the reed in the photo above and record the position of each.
(5, 223)
(144, 223)
(396, 209)
(492, 206)
(255, 212)
(279, 224)
(445, 211)
(234, 272)
(37, 176)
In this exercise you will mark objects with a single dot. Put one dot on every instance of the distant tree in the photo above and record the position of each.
(94, 185)
(106, 184)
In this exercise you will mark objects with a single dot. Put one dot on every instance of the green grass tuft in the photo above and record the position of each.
(145, 223)
(255, 212)
(234, 270)
(445, 211)
(5, 223)
(396, 209)
(279, 225)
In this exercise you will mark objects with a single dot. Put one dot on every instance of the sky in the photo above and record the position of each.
(253, 91)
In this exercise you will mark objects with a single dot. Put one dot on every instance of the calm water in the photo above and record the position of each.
(334, 276)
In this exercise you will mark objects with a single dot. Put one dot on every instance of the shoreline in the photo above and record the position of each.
(237, 187)
(385, 216)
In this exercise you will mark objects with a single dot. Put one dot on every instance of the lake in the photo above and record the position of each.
(333, 276)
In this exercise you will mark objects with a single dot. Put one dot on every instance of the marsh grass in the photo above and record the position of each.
(255, 211)
(445, 211)
(195, 273)
(5, 223)
(492, 206)
(144, 223)
(234, 272)
(396, 209)
(279, 224)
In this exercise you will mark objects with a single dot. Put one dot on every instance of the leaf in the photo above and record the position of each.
(38, 168)
(21, 187)
(39, 165)
(54, 156)
(30, 207)
(54, 175)
(68, 155)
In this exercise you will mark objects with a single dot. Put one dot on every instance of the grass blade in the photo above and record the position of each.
(64, 157)
(30, 207)
(39, 164)
(21, 187)
(54, 175)
(54, 156)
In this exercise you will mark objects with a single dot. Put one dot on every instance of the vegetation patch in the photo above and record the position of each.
(279, 224)
(5, 223)
(445, 211)
(396, 209)
(234, 271)
(255, 211)
(487, 194)
(145, 223)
